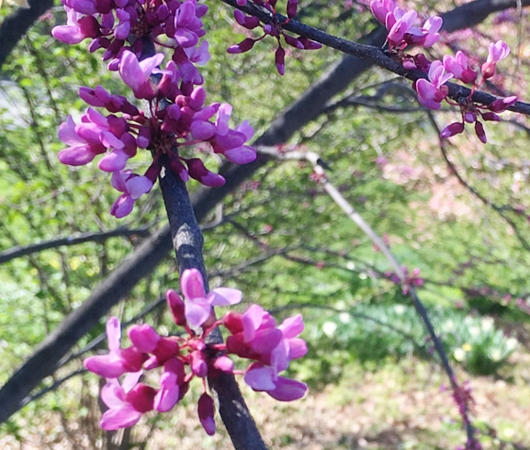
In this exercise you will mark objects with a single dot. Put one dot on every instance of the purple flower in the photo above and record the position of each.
(118, 361)
(133, 186)
(136, 74)
(458, 66)
(126, 405)
(77, 28)
(188, 27)
(265, 378)
(171, 380)
(206, 412)
(452, 130)
(198, 171)
(431, 93)
(380, 9)
(198, 305)
(496, 52)
(83, 147)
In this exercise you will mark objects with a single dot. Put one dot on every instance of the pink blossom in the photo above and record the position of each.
(133, 186)
(254, 333)
(78, 27)
(431, 93)
(399, 24)
(458, 66)
(82, 149)
(452, 130)
(126, 406)
(501, 104)
(136, 74)
(198, 305)
(380, 9)
(176, 305)
(264, 378)
(188, 27)
(496, 52)
(172, 385)
(198, 171)
(429, 32)
(206, 412)
(117, 361)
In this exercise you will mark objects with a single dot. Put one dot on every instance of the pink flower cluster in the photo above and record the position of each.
(254, 336)
(177, 115)
(433, 89)
(272, 29)
(411, 279)
(123, 25)
(400, 26)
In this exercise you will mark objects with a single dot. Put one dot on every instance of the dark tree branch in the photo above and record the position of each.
(25, 250)
(15, 26)
(187, 242)
(147, 256)
(373, 55)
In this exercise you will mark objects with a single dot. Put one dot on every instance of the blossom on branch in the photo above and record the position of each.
(176, 118)
(254, 336)
(431, 93)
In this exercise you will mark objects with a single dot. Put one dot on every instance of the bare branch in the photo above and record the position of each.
(25, 250)
(348, 209)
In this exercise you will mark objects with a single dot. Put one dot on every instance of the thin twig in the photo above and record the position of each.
(374, 55)
(348, 209)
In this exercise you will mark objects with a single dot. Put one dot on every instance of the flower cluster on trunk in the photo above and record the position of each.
(181, 358)
(177, 116)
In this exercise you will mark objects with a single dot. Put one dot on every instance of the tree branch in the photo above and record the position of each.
(15, 25)
(25, 250)
(350, 211)
(187, 242)
(374, 55)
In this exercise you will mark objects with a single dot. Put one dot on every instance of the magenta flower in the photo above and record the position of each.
(380, 9)
(264, 378)
(188, 27)
(117, 362)
(198, 305)
(399, 24)
(126, 405)
(133, 187)
(452, 130)
(429, 32)
(77, 28)
(171, 380)
(458, 66)
(206, 412)
(254, 333)
(290, 347)
(83, 147)
(496, 52)
(230, 142)
(136, 74)
(198, 171)
(431, 93)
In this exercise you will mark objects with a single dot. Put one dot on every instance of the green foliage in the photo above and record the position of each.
(372, 334)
